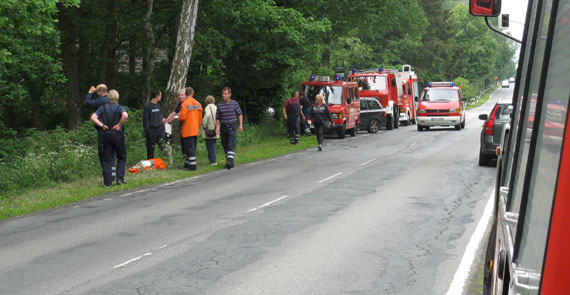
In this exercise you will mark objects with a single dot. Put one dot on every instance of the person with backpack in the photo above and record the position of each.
(109, 120)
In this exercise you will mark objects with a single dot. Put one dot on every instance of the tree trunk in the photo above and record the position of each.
(36, 95)
(107, 69)
(69, 53)
(149, 59)
(183, 52)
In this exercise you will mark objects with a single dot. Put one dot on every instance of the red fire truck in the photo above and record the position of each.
(528, 247)
(342, 100)
(384, 85)
(410, 90)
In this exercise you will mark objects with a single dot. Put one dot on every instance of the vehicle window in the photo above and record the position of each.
(332, 94)
(371, 82)
(373, 104)
(502, 112)
(398, 85)
(350, 93)
(548, 147)
(434, 94)
(363, 105)
(527, 123)
(519, 97)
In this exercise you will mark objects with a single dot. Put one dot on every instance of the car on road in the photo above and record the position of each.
(505, 84)
(372, 115)
(441, 104)
(491, 130)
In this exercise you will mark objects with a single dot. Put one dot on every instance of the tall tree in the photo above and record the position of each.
(183, 51)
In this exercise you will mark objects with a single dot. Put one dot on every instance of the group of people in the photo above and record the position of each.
(297, 110)
(221, 121)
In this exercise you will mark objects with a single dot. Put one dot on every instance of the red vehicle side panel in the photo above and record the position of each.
(556, 270)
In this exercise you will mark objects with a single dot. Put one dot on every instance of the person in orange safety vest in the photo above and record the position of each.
(190, 118)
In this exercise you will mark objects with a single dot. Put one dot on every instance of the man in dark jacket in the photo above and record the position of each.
(109, 119)
(152, 124)
(102, 99)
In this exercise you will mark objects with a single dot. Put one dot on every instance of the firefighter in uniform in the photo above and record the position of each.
(305, 108)
(227, 116)
(190, 118)
(292, 113)
(152, 123)
(109, 119)
(102, 93)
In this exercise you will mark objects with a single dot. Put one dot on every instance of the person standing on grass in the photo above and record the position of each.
(292, 113)
(152, 124)
(109, 119)
(209, 123)
(190, 118)
(321, 116)
(227, 117)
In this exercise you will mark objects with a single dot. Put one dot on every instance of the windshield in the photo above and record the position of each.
(332, 94)
(433, 94)
(371, 82)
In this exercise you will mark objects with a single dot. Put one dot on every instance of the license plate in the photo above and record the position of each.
(437, 119)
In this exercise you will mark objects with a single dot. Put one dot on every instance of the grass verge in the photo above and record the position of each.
(483, 99)
(92, 187)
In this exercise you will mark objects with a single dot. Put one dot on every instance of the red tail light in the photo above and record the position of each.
(489, 124)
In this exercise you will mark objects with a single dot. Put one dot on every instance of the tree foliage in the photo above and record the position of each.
(52, 51)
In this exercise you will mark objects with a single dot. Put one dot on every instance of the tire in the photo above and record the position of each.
(489, 257)
(390, 122)
(426, 127)
(463, 124)
(420, 128)
(373, 126)
(458, 127)
(352, 131)
(397, 119)
(341, 132)
(414, 121)
(484, 159)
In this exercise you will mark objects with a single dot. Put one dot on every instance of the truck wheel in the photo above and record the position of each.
(484, 159)
(341, 132)
(463, 125)
(397, 119)
(373, 126)
(414, 121)
(458, 126)
(420, 128)
(352, 131)
(390, 122)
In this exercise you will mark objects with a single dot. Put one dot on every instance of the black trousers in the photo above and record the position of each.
(154, 135)
(320, 131)
(228, 139)
(293, 128)
(189, 151)
(111, 143)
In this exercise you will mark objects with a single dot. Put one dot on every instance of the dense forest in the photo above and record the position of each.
(52, 51)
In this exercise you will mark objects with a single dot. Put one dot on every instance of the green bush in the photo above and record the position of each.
(41, 159)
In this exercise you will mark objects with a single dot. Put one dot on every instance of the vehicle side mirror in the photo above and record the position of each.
(485, 7)
(463, 98)
(394, 82)
(416, 98)
(483, 117)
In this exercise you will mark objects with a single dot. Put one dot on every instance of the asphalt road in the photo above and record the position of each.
(386, 213)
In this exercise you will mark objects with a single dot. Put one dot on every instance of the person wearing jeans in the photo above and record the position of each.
(209, 123)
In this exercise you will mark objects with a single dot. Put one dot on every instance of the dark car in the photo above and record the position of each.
(491, 131)
(372, 114)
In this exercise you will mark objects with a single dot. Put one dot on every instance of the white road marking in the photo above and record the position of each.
(132, 260)
(462, 272)
(367, 162)
(163, 246)
(267, 204)
(330, 177)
